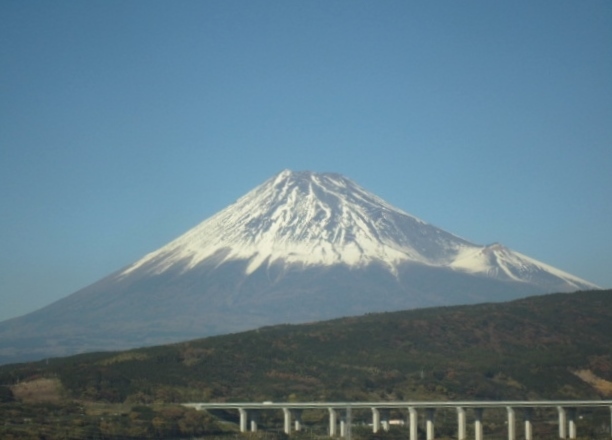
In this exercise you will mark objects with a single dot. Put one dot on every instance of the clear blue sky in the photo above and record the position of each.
(125, 123)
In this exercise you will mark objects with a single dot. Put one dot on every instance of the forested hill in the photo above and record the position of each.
(556, 346)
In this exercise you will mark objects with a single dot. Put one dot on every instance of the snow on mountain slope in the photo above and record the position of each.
(308, 219)
(301, 247)
(498, 261)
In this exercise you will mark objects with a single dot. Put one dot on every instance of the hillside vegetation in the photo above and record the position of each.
(555, 346)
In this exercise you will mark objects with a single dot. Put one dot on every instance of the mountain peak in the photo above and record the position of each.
(308, 218)
(306, 175)
(301, 247)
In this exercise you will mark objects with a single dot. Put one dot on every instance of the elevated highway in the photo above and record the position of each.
(340, 415)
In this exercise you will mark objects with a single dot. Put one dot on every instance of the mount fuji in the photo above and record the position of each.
(301, 247)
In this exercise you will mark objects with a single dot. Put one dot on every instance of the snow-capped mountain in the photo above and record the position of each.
(325, 219)
(301, 247)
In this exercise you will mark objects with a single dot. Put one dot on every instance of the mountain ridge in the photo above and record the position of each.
(548, 347)
(301, 247)
(541, 341)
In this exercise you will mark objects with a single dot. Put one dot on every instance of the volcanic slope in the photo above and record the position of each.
(301, 247)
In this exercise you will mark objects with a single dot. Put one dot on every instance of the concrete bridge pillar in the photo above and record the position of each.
(571, 418)
(528, 425)
(287, 420)
(413, 423)
(384, 419)
(333, 421)
(562, 422)
(461, 426)
(511, 423)
(478, 423)
(343, 425)
(348, 415)
(429, 415)
(375, 420)
(297, 415)
(243, 419)
(254, 415)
